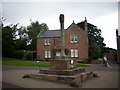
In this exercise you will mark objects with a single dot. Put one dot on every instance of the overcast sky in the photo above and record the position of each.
(104, 15)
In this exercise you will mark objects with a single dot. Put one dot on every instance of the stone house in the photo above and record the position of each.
(76, 43)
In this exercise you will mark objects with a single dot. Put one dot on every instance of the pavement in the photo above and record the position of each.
(12, 77)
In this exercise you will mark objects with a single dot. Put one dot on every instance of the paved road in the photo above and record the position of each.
(97, 67)
(12, 77)
(8, 85)
(108, 76)
(14, 67)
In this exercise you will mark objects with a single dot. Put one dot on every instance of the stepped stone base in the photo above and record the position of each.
(62, 72)
(80, 77)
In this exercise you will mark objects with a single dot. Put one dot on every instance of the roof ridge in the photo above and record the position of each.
(54, 30)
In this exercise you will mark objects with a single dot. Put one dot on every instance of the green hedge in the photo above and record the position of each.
(29, 56)
(18, 54)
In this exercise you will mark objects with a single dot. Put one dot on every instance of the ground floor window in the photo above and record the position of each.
(57, 54)
(47, 54)
(74, 53)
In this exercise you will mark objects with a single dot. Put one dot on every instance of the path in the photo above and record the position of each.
(108, 76)
(13, 75)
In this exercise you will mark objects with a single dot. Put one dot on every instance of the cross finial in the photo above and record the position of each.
(85, 19)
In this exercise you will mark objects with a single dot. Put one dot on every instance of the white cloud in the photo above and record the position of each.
(108, 24)
(101, 14)
(60, 0)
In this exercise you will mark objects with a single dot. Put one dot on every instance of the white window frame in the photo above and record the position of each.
(47, 41)
(47, 54)
(73, 39)
(74, 52)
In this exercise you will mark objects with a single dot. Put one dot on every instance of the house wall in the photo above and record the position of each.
(73, 29)
(41, 47)
(82, 44)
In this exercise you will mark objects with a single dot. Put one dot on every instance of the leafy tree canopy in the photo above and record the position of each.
(96, 45)
(17, 38)
(33, 30)
(7, 41)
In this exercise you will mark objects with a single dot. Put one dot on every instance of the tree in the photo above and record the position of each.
(33, 31)
(22, 38)
(7, 41)
(96, 45)
(14, 30)
(13, 38)
(16, 39)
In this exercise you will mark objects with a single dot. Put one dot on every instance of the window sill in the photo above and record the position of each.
(74, 57)
(74, 43)
(46, 45)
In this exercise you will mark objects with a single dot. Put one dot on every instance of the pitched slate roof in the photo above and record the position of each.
(49, 33)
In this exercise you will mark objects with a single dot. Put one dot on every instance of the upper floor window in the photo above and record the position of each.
(47, 41)
(73, 39)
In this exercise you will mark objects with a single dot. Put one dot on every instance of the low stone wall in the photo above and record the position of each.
(96, 61)
(62, 72)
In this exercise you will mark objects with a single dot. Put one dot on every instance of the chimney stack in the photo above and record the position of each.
(86, 30)
(62, 35)
(86, 26)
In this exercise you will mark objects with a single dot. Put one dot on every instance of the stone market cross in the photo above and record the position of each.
(63, 69)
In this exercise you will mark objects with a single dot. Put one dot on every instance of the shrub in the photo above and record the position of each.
(18, 54)
(89, 61)
(29, 56)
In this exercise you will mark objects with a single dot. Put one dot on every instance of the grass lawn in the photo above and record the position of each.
(24, 62)
(82, 65)
(21, 62)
